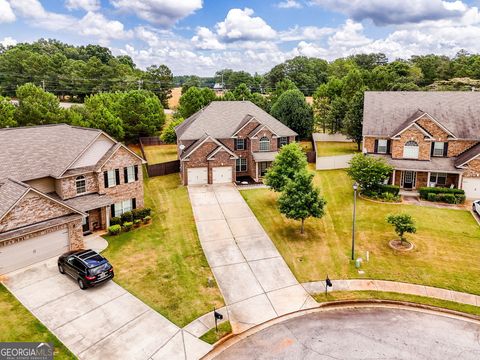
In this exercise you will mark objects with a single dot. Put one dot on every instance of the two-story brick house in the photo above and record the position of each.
(229, 140)
(58, 182)
(432, 139)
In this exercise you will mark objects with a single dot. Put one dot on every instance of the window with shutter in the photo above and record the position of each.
(438, 148)
(382, 146)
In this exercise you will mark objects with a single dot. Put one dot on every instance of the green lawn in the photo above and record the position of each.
(163, 263)
(335, 148)
(160, 153)
(447, 252)
(212, 336)
(18, 324)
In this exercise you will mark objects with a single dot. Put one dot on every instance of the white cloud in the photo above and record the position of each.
(305, 33)
(205, 39)
(161, 12)
(309, 49)
(6, 13)
(289, 4)
(8, 41)
(95, 24)
(87, 5)
(383, 12)
(38, 16)
(240, 25)
(349, 35)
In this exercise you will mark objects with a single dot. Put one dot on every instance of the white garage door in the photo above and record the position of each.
(471, 187)
(197, 176)
(222, 175)
(27, 252)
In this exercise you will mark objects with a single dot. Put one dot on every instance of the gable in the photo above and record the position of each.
(120, 158)
(433, 128)
(94, 152)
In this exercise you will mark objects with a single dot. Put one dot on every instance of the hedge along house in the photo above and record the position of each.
(58, 182)
(432, 139)
(228, 141)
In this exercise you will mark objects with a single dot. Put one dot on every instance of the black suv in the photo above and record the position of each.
(88, 267)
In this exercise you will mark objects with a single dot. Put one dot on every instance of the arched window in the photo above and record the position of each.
(81, 184)
(264, 144)
(410, 150)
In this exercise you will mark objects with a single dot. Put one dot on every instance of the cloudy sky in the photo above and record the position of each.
(200, 37)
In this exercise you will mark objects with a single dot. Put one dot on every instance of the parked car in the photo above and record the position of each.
(476, 206)
(87, 267)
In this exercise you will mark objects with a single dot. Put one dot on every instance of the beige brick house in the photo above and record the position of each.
(432, 139)
(58, 182)
(228, 141)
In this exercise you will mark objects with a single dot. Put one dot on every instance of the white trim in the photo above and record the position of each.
(218, 149)
(114, 152)
(243, 126)
(431, 118)
(274, 134)
(397, 136)
(466, 162)
(203, 142)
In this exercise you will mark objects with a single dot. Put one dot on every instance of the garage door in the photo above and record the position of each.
(27, 252)
(471, 187)
(222, 175)
(197, 176)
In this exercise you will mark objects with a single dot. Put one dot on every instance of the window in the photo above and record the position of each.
(241, 165)
(130, 174)
(264, 144)
(438, 148)
(262, 168)
(438, 179)
(410, 150)
(81, 184)
(122, 207)
(110, 178)
(239, 144)
(282, 141)
(382, 146)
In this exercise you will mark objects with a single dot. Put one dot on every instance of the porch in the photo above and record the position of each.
(410, 180)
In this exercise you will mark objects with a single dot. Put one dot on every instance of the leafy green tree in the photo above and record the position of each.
(281, 87)
(189, 82)
(102, 112)
(321, 110)
(369, 171)
(242, 92)
(194, 99)
(369, 61)
(159, 80)
(168, 133)
(336, 114)
(7, 112)
(261, 101)
(353, 122)
(403, 223)
(36, 107)
(292, 110)
(290, 160)
(352, 83)
(300, 200)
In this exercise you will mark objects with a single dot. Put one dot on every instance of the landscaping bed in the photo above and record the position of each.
(163, 263)
(447, 242)
(331, 148)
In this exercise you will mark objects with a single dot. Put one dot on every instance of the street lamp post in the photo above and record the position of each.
(355, 188)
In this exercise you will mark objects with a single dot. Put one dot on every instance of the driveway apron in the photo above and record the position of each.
(105, 322)
(255, 281)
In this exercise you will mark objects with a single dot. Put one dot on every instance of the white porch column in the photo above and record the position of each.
(393, 177)
(460, 177)
(428, 179)
(107, 215)
(256, 171)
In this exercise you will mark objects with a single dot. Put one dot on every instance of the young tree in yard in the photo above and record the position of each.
(290, 160)
(368, 171)
(37, 107)
(353, 122)
(292, 110)
(300, 199)
(7, 111)
(403, 223)
(168, 133)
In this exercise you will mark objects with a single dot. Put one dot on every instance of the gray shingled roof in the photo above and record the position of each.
(468, 155)
(220, 119)
(435, 164)
(86, 202)
(40, 151)
(10, 192)
(457, 111)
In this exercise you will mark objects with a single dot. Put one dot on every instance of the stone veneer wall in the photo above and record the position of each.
(75, 234)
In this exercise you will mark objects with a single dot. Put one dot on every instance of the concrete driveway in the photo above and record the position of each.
(255, 281)
(105, 322)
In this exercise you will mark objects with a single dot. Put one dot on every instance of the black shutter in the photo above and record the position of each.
(432, 149)
(136, 172)
(235, 144)
(134, 203)
(389, 146)
(245, 143)
(375, 150)
(445, 149)
(117, 176)
(278, 143)
(125, 175)
(105, 179)
(112, 210)
(288, 140)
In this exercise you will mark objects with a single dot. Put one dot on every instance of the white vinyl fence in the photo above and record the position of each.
(333, 162)
(330, 137)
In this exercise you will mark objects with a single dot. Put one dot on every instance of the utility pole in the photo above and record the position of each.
(140, 83)
(43, 85)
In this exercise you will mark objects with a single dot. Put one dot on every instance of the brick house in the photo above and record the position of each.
(228, 141)
(58, 182)
(432, 139)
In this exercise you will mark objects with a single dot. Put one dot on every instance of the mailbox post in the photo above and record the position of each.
(217, 316)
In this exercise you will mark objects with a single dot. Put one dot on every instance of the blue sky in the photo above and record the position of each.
(200, 37)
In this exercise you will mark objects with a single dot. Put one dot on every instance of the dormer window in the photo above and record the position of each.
(439, 149)
(264, 144)
(81, 184)
(410, 150)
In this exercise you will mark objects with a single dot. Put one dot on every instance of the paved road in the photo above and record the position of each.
(255, 281)
(363, 333)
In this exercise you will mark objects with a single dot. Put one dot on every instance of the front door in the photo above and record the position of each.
(409, 179)
(85, 224)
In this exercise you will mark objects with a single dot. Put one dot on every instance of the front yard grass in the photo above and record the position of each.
(19, 325)
(327, 148)
(163, 263)
(160, 153)
(447, 242)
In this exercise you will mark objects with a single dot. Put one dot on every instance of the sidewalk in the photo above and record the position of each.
(393, 286)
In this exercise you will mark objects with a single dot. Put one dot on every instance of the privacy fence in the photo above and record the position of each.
(160, 169)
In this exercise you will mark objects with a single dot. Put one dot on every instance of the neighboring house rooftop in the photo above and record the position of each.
(221, 119)
(386, 112)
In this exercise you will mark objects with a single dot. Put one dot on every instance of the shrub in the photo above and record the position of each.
(431, 197)
(460, 198)
(424, 191)
(137, 214)
(145, 212)
(137, 222)
(391, 189)
(147, 219)
(127, 226)
(115, 221)
(448, 198)
(114, 229)
(388, 196)
(127, 217)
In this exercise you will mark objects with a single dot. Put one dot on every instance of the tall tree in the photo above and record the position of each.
(353, 122)
(335, 117)
(194, 99)
(37, 107)
(159, 80)
(7, 111)
(292, 110)
(369, 171)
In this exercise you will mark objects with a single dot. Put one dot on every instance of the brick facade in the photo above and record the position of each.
(473, 168)
(433, 129)
(66, 188)
(424, 147)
